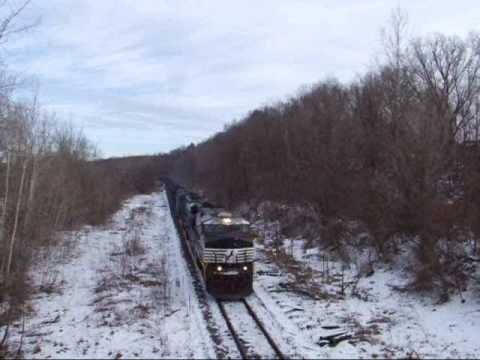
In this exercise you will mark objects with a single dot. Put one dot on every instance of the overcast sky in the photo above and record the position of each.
(147, 76)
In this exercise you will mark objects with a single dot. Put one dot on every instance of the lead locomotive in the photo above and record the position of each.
(221, 243)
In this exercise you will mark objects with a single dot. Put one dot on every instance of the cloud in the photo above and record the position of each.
(149, 75)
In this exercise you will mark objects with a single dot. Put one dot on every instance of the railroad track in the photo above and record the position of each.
(248, 332)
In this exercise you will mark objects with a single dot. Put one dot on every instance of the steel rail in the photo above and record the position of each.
(258, 323)
(233, 332)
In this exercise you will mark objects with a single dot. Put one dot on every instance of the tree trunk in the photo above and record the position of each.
(31, 195)
(3, 219)
(17, 215)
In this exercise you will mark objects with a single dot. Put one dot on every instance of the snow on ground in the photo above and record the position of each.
(124, 292)
(375, 319)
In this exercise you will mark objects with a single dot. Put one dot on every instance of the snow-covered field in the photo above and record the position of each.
(125, 291)
(105, 303)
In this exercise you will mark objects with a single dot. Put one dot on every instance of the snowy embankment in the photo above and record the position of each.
(341, 315)
(123, 291)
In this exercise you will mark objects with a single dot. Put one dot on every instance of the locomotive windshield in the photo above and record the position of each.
(215, 231)
(219, 224)
(229, 243)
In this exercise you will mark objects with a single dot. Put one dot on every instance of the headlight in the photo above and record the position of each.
(245, 268)
(219, 268)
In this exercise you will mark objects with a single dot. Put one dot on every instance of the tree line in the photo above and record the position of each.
(396, 150)
(51, 180)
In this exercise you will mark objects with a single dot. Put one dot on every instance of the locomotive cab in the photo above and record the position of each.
(228, 255)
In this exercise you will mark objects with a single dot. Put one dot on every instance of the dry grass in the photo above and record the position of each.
(130, 269)
(304, 277)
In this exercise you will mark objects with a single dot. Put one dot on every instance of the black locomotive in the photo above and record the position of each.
(220, 243)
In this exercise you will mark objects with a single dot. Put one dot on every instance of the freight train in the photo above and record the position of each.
(220, 243)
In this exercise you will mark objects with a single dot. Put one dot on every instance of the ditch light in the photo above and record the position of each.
(227, 221)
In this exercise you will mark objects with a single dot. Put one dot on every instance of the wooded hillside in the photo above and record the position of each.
(396, 150)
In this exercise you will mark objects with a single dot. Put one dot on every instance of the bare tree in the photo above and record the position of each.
(10, 23)
(3, 232)
(395, 38)
(446, 71)
(16, 218)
